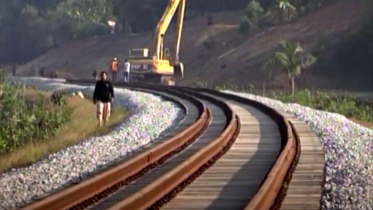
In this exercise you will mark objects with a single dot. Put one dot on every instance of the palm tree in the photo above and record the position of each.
(292, 60)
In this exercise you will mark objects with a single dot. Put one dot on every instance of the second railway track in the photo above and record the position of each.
(232, 153)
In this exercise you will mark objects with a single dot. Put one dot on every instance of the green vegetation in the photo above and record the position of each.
(3, 76)
(264, 13)
(83, 18)
(35, 123)
(292, 60)
(234, 87)
(285, 9)
(25, 119)
(253, 13)
(138, 15)
(29, 28)
(82, 125)
(342, 104)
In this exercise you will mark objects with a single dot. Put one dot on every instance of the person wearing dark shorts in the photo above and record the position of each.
(103, 96)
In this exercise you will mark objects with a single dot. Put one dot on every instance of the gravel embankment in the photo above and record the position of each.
(348, 149)
(151, 117)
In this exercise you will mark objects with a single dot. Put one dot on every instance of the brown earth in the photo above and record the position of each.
(363, 123)
(232, 58)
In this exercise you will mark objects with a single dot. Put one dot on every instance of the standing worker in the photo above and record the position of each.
(114, 69)
(94, 74)
(103, 95)
(127, 69)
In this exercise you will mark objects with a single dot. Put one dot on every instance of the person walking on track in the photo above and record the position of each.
(103, 96)
(127, 69)
(114, 68)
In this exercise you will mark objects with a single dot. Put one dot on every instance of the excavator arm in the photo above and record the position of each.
(179, 29)
(163, 25)
(162, 68)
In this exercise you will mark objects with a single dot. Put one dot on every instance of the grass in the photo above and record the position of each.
(32, 94)
(82, 125)
(27, 117)
(345, 104)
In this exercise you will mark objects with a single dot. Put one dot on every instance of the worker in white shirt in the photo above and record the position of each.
(127, 68)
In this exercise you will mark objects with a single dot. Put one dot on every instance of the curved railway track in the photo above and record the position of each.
(228, 153)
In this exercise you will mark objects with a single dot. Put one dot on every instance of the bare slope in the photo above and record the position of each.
(226, 56)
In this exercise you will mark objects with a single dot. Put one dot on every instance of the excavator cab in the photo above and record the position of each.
(145, 68)
(161, 67)
(139, 53)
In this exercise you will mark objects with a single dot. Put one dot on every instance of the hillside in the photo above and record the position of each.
(232, 57)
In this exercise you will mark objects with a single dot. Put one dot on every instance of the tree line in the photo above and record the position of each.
(28, 28)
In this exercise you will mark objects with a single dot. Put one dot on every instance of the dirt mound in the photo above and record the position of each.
(216, 54)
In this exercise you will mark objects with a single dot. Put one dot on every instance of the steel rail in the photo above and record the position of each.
(159, 190)
(269, 195)
(273, 189)
(125, 172)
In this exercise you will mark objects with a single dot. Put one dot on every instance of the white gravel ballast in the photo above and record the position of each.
(348, 149)
(150, 117)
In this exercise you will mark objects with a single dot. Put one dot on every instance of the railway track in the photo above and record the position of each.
(228, 153)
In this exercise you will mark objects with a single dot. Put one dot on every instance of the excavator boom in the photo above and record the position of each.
(179, 29)
(164, 23)
(161, 68)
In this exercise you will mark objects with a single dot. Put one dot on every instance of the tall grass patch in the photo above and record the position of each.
(346, 105)
(35, 123)
(25, 119)
(81, 126)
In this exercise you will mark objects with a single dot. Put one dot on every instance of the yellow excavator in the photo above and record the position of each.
(160, 68)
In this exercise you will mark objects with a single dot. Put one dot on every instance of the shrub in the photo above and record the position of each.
(245, 25)
(201, 84)
(58, 97)
(208, 43)
(304, 98)
(3, 75)
(23, 121)
(342, 104)
(251, 87)
(254, 11)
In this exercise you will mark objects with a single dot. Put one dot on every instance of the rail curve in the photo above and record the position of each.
(165, 174)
